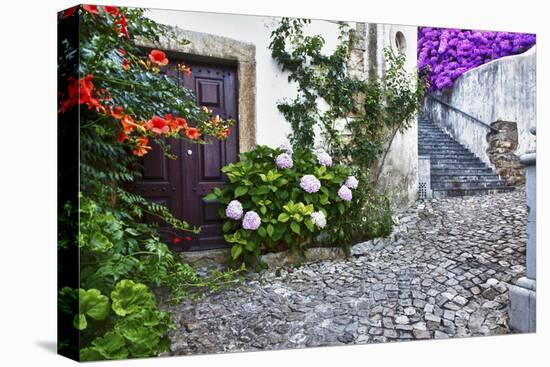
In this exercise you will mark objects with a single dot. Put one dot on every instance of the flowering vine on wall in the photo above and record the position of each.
(117, 98)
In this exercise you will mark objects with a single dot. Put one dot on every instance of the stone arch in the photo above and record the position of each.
(205, 47)
(501, 151)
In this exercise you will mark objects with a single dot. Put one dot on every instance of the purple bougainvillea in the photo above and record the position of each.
(448, 53)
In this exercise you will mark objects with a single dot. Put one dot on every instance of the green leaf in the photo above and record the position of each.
(111, 346)
(295, 227)
(93, 304)
(270, 230)
(261, 190)
(130, 297)
(263, 210)
(282, 194)
(240, 191)
(250, 246)
(210, 197)
(309, 224)
(341, 207)
(90, 354)
(281, 182)
(236, 251)
(283, 217)
(100, 242)
(227, 226)
(262, 232)
(142, 341)
(80, 321)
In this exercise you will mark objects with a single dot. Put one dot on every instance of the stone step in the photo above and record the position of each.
(465, 177)
(463, 171)
(447, 144)
(432, 133)
(471, 192)
(440, 161)
(441, 141)
(467, 185)
(459, 166)
(429, 128)
(453, 155)
(438, 139)
(439, 144)
(443, 150)
(455, 171)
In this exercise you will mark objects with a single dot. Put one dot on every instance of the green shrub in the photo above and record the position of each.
(290, 217)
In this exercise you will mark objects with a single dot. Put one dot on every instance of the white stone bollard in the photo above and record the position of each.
(523, 295)
(424, 177)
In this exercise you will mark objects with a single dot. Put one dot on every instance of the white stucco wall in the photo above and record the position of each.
(502, 90)
(272, 84)
(399, 174)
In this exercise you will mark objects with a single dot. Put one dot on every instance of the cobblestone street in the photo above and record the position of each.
(445, 275)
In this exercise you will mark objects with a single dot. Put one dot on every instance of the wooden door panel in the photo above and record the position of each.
(215, 88)
(183, 183)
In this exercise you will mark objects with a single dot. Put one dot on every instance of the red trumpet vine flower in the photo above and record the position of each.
(113, 10)
(158, 125)
(193, 133)
(142, 148)
(81, 91)
(158, 57)
(122, 22)
(92, 9)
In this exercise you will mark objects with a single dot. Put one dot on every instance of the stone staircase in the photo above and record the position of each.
(455, 171)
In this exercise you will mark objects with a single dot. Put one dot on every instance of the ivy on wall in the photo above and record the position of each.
(372, 111)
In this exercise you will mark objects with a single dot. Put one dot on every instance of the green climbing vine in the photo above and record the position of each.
(362, 117)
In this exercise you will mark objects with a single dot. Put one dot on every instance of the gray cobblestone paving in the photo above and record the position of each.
(446, 275)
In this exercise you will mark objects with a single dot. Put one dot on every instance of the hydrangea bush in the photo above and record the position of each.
(287, 197)
(445, 54)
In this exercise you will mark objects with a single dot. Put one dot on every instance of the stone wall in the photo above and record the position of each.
(502, 145)
(502, 90)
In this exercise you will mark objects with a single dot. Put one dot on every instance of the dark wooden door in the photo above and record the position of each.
(181, 184)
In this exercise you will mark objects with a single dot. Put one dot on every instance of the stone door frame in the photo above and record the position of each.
(219, 49)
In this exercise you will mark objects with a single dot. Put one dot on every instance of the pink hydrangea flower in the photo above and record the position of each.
(318, 218)
(345, 193)
(352, 182)
(323, 158)
(234, 210)
(310, 184)
(287, 148)
(284, 161)
(251, 221)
